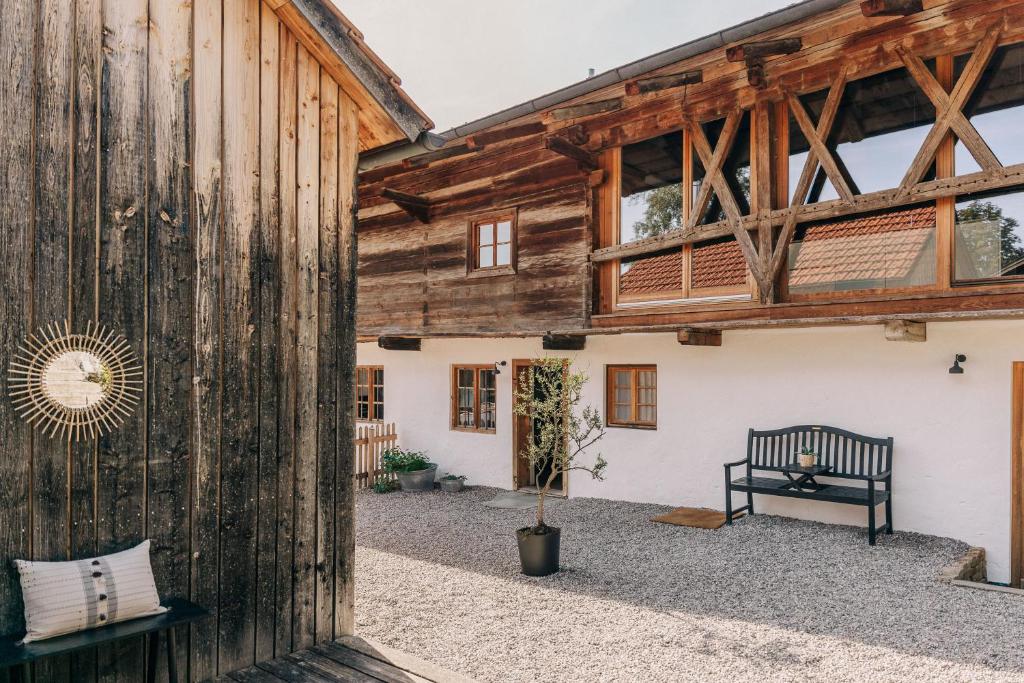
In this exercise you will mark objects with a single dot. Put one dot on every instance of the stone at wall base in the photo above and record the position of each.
(970, 567)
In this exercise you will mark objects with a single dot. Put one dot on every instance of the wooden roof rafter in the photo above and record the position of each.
(414, 205)
(890, 8)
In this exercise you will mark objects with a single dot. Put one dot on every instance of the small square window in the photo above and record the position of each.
(632, 396)
(493, 244)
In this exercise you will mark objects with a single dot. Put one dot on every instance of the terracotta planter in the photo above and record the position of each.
(538, 553)
(423, 480)
(805, 460)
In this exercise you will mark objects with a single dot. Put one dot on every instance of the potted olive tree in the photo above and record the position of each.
(549, 394)
(414, 471)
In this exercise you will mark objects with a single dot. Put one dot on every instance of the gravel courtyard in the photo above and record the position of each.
(770, 599)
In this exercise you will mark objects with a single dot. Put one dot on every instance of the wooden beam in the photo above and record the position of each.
(890, 8)
(478, 140)
(756, 77)
(906, 331)
(577, 111)
(399, 343)
(691, 337)
(564, 342)
(763, 48)
(421, 160)
(641, 86)
(413, 204)
(586, 160)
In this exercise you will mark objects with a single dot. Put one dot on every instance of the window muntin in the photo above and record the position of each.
(474, 398)
(890, 250)
(632, 396)
(370, 393)
(651, 198)
(493, 243)
(879, 128)
(989, 238)
(995, 107)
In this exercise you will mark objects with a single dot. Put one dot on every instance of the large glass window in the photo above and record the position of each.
(717, 268)
(989, 236)
(889, 250)
(474, 394)
(652, 278)
(995, 108)
(651, 194)
(878, 130)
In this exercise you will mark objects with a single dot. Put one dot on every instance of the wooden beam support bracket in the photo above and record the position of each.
(413, 204)
(564, 342)
(641, 86)
(906, 331)
(764, 48)
(587, 161)
(890, 8)
(399, 343)
(692, 337)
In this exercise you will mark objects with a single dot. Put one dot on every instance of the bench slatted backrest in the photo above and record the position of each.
(853, 456)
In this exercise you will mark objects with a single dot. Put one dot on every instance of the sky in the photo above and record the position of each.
(463, 59)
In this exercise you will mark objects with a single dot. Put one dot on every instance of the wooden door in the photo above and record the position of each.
(522, 431)
(1017, 481)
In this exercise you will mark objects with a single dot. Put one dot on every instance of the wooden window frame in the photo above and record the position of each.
(473, 267)
(371, 410)
(634, 422)
(453, 421)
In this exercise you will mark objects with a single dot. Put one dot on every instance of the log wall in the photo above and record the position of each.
(183, 172)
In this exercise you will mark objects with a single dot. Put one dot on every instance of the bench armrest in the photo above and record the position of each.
(735, 464)
(880, 477)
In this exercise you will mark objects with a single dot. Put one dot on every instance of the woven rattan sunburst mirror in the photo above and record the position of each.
(75, 386)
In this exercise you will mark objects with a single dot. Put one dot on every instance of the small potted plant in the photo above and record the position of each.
(452, 483)
(548, 394)
(807, 457)
(414, 471)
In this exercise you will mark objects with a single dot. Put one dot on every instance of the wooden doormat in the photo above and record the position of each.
(700, 518)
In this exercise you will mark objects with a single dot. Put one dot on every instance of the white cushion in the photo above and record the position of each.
(64, 597)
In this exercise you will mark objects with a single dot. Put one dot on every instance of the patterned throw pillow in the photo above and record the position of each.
(64, 597)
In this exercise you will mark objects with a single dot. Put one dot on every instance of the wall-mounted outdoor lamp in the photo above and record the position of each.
(957, 360)
(498, 364)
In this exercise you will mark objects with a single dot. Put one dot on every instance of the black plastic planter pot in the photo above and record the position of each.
(538, 553)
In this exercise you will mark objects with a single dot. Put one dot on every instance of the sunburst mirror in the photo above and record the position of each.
(75, 386)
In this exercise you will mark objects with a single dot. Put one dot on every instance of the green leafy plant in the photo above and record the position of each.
(395, 459)
(808, 451)
(549, 393)
(453, 477)
(383, 485)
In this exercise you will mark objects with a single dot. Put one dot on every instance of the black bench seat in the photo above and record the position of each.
(845, 455)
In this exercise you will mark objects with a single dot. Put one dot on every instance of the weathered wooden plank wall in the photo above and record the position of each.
(184, 173)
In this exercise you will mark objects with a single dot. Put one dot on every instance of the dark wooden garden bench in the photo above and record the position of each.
(841, 454)
(179, 613)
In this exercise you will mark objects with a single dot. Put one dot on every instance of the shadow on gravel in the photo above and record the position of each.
(814, 578)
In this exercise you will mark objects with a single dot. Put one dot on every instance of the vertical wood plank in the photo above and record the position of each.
(270, 280)
(51, 266)
(1017, 479)
(206, 393)
(170, 294)
(287, 347)
(16, 86)
(83, 277)
(122, 276)
(327, 361)
(307, 248)
(239, 320)
(348, 158)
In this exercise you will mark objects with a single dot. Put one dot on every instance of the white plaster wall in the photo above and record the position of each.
(952, 433)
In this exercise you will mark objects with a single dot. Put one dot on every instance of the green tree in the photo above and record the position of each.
(549, 393)
(990, 250)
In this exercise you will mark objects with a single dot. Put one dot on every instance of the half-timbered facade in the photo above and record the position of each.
(801, 219)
